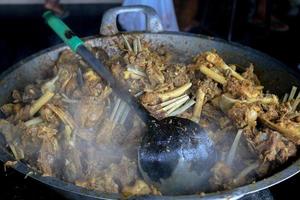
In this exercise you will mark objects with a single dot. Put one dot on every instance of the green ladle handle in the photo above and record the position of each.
(63, 31)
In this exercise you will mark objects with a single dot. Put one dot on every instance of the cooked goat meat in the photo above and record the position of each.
(242, 89)
(271, 112)
(16, 95)
(177, 74)
(72, 126)
(250, 75)
(47, 159)
(93, 84)
(8, 109)
(31, 92)
(100, 183)
(49, 116)
(124, 172)
(272, 146)
(209, 87)
(244, 114)
(154, 74)
(222, 176)
(90, 109)
(139, 188)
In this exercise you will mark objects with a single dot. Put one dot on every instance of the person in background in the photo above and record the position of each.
(259, 17)
(294, 8)
(136, 21)
(186, 12)
(55, 7)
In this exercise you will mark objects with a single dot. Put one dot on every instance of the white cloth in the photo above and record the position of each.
(136, 21)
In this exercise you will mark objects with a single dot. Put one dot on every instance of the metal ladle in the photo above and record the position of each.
(176, 154)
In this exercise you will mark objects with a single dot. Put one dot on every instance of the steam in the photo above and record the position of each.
(232, 152)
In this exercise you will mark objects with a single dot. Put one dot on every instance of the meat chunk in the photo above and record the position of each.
(49, 152)
(210, 88)
(31, 92)
(272, 146)
(244, 114)
(177, 75)
(250, 75)
(104, 183)
(124, 172)
(222, 176)
(155, 75)
(242, 89)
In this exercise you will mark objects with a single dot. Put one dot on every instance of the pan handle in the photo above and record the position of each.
(109, 25)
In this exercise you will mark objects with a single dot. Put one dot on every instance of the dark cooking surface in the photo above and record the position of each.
(13, 47)
(15, 187)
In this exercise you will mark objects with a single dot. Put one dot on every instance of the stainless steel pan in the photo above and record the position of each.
(275, 76)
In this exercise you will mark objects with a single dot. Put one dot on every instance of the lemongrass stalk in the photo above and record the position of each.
(175, 93)
(125, 114)
(166, 103)
(199, 104)
(295, 105)
(292, 93)
(139, 44)
(234, 146)
(120, 112)
(135, 46)
(183, 108)
(136, 71)
(246, 171)
(298, 96)
(233, 73)
(172, 105)
(292, 133)
(285, 97)
(213, 75)
(33, 121)
(139, 94)
(178, 104)
(117, 104)
(127, 43)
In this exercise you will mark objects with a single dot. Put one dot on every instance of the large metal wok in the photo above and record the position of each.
(275, 76)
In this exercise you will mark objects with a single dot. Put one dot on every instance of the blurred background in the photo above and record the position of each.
(271, 26)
